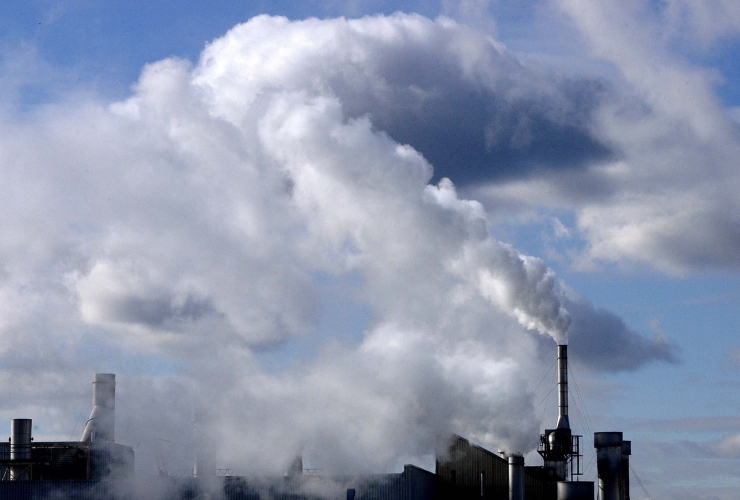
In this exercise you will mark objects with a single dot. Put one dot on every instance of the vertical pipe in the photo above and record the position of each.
(626, 452)
(20, 448)
(204, 464)
(482, 485)
(516, 477)
(609, 465)
(101, 425)
(104, 397)
(563, 422)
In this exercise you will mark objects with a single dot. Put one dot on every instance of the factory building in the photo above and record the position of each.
(94, 467)
(98, 468)
(467, 471)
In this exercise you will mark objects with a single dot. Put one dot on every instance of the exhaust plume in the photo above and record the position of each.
(199, 225)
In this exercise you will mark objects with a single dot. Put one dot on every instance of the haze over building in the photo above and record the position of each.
(98, 468)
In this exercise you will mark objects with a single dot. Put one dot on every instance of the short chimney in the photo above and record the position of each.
(20, 449)
(516, 477)
(610, 465)
(102, 422)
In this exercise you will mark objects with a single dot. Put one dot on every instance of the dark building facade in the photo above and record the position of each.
(467, 471)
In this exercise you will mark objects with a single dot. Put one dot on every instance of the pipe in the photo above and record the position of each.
(204, 464)
(609, 465)
(102, 422)
(20, 448)
(626, 452)
(563, 422)
(516, 477)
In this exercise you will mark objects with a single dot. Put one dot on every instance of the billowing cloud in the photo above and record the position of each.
(195, 220)
(471, 108)
(663, 191)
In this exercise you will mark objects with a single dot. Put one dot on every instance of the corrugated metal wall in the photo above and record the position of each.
(459, 467)
(420, 483)
(538, 484)
(459, 472)
(54, 490)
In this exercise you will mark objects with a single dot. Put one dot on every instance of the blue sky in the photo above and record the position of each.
(598, 138)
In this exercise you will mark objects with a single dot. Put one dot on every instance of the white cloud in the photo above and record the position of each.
(666, 194)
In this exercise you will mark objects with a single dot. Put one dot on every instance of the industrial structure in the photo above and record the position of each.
(93, 467)
(98, 468)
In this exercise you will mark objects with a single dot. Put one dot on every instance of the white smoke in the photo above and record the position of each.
(193, 222)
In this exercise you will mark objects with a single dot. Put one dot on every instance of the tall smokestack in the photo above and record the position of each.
(563, 422)
(20, 449)
(557, 444)
(516, 477)
(102, 422)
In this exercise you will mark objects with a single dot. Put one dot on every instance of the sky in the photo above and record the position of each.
(344, 227)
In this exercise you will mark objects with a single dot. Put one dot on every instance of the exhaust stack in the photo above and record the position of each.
(516, 477)
(101, 424)
(558, 447)
(626, 452)
(610, 465)
(20, 449)
(563, 422)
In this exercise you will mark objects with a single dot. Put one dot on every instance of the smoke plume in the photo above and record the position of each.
(182, 235)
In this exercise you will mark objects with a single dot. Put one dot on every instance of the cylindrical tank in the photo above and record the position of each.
(516, 477)
(575, 490)
(20, 448)
(609, 464)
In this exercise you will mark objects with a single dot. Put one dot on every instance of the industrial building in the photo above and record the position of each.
(98, 468)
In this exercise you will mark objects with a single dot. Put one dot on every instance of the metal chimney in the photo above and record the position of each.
(563, 422)
(626, 452)
(609, 465)
(516, 477)
(102, 422)
(557, 445)
(20, 449)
